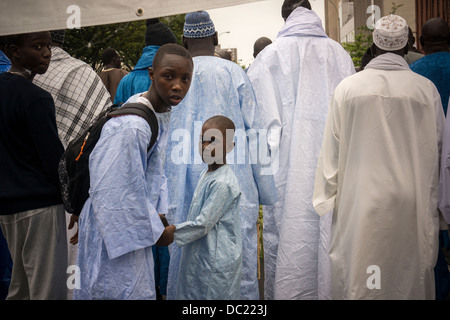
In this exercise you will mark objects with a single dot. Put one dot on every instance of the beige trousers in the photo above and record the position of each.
(38, 244)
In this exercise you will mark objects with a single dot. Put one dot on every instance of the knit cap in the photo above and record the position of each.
(198, 25)
(158, 33)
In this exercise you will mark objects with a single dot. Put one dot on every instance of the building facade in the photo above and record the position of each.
(345, 18)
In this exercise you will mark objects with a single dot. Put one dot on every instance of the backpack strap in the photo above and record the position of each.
(139, 109)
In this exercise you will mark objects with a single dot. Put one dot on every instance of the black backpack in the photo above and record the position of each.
(74, 164)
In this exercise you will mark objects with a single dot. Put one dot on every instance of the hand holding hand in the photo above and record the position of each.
(167, 236)
(163, 220)
(73, 219)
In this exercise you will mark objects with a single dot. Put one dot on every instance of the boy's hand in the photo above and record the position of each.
(73, 219)
(164, 220)
(167, 237)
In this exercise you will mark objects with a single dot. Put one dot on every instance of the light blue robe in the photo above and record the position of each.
(119, 223)
(211, 240)
(218, 87)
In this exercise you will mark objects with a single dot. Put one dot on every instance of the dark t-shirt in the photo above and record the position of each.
(30, 148)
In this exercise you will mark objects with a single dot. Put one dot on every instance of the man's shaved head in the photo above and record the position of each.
(260, 44)
(436, 29)
(435, 36)
(290, 5)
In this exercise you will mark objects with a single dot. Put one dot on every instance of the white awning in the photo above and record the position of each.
(22, 16)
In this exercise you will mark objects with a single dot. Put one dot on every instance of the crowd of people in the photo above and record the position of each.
(350, 167)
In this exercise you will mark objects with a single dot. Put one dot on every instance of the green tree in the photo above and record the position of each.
(356, 49)
(395, 7)
(127, 38)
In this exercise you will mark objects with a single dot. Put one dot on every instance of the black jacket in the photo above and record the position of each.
(30, 148)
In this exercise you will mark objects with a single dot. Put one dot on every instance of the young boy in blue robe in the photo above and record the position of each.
(119, 222)
(211, 238)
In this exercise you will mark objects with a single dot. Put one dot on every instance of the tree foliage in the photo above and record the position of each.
(127, 38)
(395, 7)
(356, 49)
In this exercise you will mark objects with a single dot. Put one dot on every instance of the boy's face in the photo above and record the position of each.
(213, 144)
(34, 53)
(172, 78)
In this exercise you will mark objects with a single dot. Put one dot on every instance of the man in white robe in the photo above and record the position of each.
(378, 170)
(293, 79)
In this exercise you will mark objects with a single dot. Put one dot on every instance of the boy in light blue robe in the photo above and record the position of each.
(119, 222)
(211, 239)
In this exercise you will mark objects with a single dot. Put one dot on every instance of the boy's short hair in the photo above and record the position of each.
(222, 122)
(18, 39)
(170, 48)
(15, 39)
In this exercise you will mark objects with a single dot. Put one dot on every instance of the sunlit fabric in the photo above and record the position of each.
(219, 87)
(293, 79)
(211, 240)
(119, 223)
(378, 171)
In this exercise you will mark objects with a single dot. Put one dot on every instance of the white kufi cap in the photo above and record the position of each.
(391, 33)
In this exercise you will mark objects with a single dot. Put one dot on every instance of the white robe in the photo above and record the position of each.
(293, 79)
(378, 170)
(444, 179)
